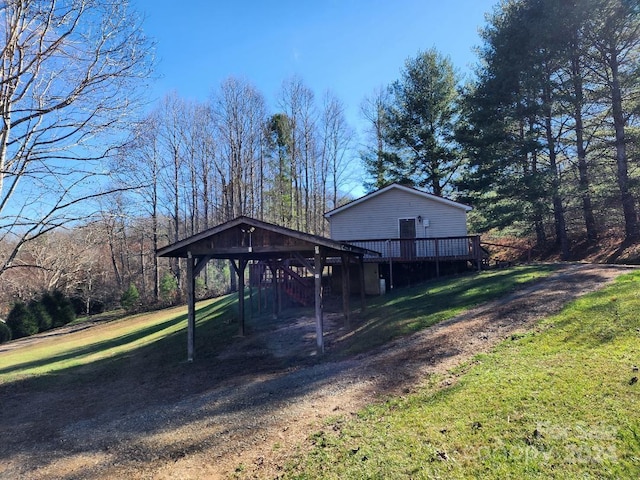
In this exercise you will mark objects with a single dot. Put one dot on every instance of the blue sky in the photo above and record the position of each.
(349, 47)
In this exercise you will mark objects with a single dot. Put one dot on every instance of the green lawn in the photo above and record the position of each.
(555, 403)
(560, 402)
(408, 310)
(157, 336)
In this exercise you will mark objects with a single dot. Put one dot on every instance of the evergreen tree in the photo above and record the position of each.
(21, 322)
(420, 123)
(553, 101)
(129, 299)
(40, 314)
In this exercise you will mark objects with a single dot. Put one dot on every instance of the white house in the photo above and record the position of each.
(397, 211)
(416, 233)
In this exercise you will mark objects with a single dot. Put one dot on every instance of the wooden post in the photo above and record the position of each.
(346, 290)
(363, 300)
(437, 260)
(279, 286)
(191, 309)
(317, 273)
(390, 274)
(476, 242)
(274, 287)
(260, 292)
(242, 263)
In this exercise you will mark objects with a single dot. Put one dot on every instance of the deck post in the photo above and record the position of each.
(437, 260)
(242, 263)
(390, 253)
(191, 308)
(317, 273)
(478, 250)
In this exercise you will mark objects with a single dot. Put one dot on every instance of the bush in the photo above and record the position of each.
(21, 322)
(129, 299)
(59, 308)
(168, 287)
(40, 315)
(5, 332)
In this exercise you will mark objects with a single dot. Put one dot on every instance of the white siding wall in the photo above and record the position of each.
(377, 218)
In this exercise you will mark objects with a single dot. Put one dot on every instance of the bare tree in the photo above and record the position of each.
(238, 112)
(69, 72)
(297, 104)
(337, 137)
(138, 167)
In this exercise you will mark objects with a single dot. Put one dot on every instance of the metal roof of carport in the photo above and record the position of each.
(244, 239)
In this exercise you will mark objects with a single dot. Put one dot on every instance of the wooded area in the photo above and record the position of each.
(542, 142)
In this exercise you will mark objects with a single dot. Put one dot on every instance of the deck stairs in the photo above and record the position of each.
(298, 287)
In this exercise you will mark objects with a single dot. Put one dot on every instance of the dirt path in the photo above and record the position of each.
(249, 424)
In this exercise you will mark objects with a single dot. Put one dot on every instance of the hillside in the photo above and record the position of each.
(117, 400)
(611, 249)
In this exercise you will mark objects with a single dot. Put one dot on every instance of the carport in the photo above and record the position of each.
(245, 239)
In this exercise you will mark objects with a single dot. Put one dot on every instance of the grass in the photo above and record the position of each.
(559, 402)
(409, 310)
(101, 347)
(158, 338)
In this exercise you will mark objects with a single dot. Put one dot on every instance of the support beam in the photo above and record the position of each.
(201, 262)
(304, 262)
(318, 261)
(191, 308)
(240, 268)
(273, 266)
(346, 290)
(478, 249)
(363, 300)
(437, 259)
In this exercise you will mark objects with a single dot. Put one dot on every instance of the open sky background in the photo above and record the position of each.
(350, 47)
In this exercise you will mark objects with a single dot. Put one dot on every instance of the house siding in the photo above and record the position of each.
(377, 218)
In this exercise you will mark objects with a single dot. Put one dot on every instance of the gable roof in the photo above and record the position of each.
(245, 237)
(397, 186)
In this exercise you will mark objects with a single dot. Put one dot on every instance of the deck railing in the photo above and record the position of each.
(422, 249)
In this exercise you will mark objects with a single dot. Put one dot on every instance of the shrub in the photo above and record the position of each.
(59, 308)
(168, 287)
(129, 299)
(5, 332)
(40, 315)
(21, 321)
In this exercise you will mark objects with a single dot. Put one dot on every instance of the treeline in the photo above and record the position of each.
(188, 166)
(544, 141)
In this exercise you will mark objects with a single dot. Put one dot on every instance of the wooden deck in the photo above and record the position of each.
(444, 249)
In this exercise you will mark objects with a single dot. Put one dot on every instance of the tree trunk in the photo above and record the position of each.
(558, 209)
(584, 184)
(628, 204)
